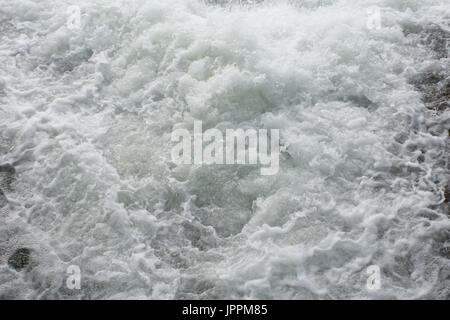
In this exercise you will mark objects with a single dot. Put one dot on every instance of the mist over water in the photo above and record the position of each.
(86, 118)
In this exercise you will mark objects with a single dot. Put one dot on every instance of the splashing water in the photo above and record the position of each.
(86, 117)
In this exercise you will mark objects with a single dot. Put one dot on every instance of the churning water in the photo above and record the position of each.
(86, 117)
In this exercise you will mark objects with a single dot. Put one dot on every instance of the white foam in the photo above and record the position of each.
(90, 113)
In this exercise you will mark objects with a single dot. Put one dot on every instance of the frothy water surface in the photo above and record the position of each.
(86, 118)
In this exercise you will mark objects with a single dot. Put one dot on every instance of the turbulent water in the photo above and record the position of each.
(86, 117)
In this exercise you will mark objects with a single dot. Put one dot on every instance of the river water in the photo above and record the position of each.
(86, 116)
